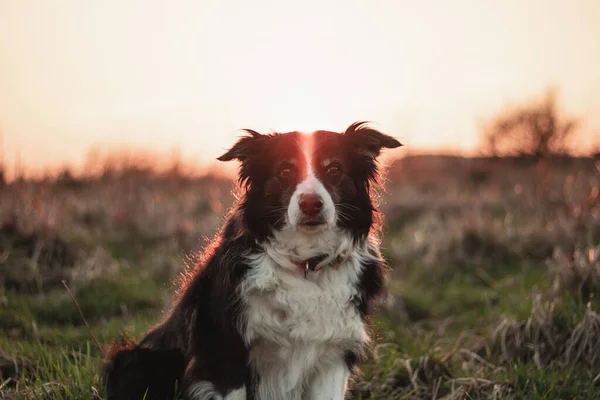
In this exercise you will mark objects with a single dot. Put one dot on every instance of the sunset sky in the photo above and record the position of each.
(187, 74)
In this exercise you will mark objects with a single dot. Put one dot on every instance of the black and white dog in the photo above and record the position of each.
(278, 307)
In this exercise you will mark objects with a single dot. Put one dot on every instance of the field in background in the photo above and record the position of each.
(494, 292)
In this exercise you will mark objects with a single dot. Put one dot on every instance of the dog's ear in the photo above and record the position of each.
(246, 147)
(369, 141)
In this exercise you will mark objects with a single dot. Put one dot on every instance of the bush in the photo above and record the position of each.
(535, 130)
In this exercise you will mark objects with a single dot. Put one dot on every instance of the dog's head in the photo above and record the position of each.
(309, 182)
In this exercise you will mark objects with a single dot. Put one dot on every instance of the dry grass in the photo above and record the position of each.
(583, 345)
(547, 337)
(541, 338)
(428, 377)
(91, 227)
(494, 290)
(577, 273)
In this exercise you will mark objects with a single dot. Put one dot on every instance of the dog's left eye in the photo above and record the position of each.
(334, 170)
(285, 172)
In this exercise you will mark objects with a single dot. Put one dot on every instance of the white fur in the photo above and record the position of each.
(238, 394)
(310, 185)
(205, 390)
(299, 329)
(330, 384)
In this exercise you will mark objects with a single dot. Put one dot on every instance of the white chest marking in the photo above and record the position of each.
(298, 328)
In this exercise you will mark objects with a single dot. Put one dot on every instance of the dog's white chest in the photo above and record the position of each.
(296, 327)
(306, 313)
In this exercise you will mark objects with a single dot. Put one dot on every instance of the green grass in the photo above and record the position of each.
(444, 344)
(552, 382)
(56, 374)
(102, 298)
(55, 353)
(64, 363)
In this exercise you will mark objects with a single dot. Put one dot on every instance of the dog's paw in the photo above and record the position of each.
(202, 390)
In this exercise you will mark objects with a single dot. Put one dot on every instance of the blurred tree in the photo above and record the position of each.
(536, 130)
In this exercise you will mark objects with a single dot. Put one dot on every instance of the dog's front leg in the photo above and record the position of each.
(205, 390)
(330, 383)
(212, 382)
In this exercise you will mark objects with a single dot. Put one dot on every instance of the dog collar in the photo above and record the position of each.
(312, 264)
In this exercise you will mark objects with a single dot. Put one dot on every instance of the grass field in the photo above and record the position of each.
(495, 268)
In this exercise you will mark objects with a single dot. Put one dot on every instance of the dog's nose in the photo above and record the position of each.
(310, 204)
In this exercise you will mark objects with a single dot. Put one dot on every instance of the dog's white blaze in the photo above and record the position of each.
(299, 329)
(307, 150)
(310, 184)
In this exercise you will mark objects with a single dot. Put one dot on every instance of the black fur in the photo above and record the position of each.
(133, 373)
(201, 327)
(371, 285)
(200, 340)
(351, 359)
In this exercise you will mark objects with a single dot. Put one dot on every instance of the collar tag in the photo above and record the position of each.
(306, 268)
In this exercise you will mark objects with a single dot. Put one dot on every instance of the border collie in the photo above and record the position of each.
(277, 309)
